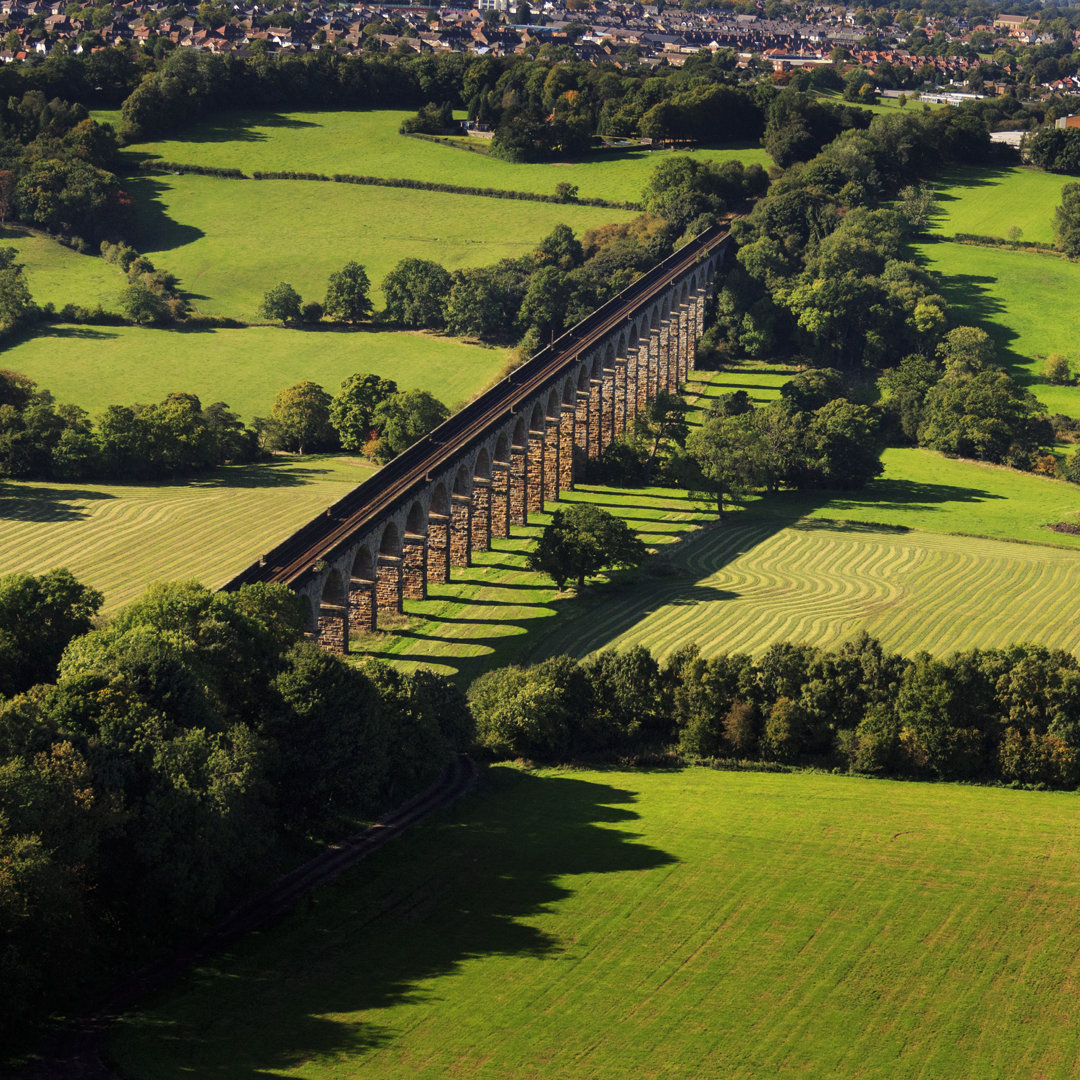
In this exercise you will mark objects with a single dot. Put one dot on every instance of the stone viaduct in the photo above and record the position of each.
(498, 460)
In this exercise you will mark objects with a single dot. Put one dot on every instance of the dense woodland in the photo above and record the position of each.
(157, 770)
(996, 715)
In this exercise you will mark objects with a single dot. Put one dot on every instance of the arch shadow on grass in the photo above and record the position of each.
(394, 934)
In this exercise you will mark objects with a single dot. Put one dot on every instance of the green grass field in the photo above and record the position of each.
(57, 275)
(1029, 304)
(229, 241)
(572, 924)
(937, 553)
(883, 107)
(122, 538)
(988, 201)
(367, 143)
(96, 366)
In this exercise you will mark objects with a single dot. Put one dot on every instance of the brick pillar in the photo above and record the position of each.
(618, 418)
(500, 498)
(552, 443)
(388, 584)
(334, 628)
(699, 311)
(596, 390)
(607, 422)
(582, 432)
(519, 476)
(567, 444)
(362, 604)
(460, 530)
(633, 375)
(414, 567)
(481, 514)
(438, 545)
(537, 461)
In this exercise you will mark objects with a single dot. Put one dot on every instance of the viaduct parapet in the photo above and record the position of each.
(501, 458)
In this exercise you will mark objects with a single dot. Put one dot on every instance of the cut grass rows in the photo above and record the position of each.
(120, 539)
(680, 924)
(742, 589)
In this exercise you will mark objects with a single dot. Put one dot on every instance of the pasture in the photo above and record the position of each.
(367, 143)
(988, 201)
(57, 275)
(97, 366)
(1028, 303)
(229, 241)
(567, 924)
(121, 538)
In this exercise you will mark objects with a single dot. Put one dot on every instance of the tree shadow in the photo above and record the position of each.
(235, 127)
(265, 474)
(394, 933)
(78, 333)
(31, 502)
(154, 230)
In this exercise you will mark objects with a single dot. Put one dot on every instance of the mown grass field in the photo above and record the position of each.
(121, 538)
(570, 924)
(925, 557)
(367, 143)
(57, 275)
(1028, 303)
(988, 201)
(96, 366)
(229, 241)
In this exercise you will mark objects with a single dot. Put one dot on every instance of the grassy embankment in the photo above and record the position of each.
(611, 924)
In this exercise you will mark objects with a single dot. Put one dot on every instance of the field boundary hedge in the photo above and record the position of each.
(383, 181)
(978, 240)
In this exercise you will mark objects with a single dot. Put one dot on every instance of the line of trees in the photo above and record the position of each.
(159, 769)
(42, 440)
(1009, 715)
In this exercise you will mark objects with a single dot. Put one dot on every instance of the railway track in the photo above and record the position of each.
(296, 555)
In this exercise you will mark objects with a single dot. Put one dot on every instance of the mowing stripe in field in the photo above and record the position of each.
(120, 539)
(744, 587)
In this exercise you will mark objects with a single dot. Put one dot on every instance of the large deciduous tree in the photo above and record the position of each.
(302, 416)
(347, 294)
(352, 412)
(282, 303)
(404, 418)
(416, 291)
(581, 541)
(15, 302)
(38, 617)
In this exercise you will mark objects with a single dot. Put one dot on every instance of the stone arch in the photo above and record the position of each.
(519, 473)
(500, 486)
(608, 392)
(438, 536)
(362, 577)
(388, 569)
(334, 612)
(414, 553)
(461, 517)
(538, 464)
(583, 419)
(481, 500)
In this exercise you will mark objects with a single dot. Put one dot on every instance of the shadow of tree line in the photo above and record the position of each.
(454, 890)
